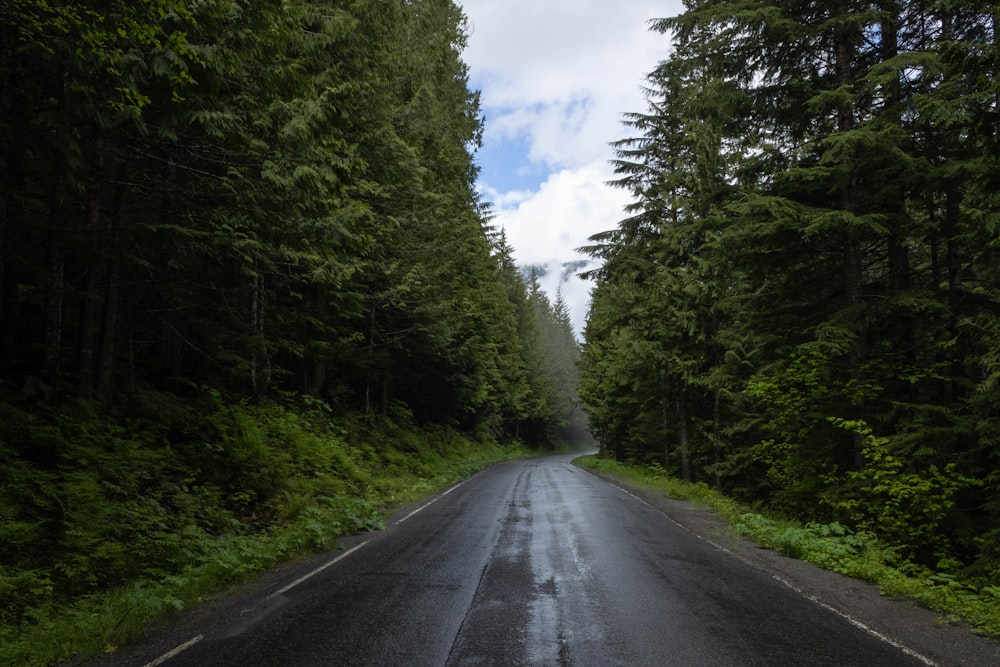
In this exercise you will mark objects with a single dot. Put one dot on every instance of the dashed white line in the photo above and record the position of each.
(428, 504)
(173, 652)
(282, 591)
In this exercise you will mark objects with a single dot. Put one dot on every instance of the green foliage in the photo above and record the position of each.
(828, 545)
(129, 519)
(901, 501)
(799, 307)
(258, 198)
(699, 494)
(208, 206)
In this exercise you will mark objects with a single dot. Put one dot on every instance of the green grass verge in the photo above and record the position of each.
(831, 546)
(128, 524)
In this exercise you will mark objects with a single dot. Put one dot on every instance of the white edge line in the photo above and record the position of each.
(850, 619)
(428, 504)
(347, 553)
(282, 591)
(858, 624)
(173, 652)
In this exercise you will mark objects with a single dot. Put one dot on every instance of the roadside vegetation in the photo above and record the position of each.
(145, 517)
(801, 309)
(832, 546)
(250, 298)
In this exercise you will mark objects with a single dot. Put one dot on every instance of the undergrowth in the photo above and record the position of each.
(109, 524)
(834, 547)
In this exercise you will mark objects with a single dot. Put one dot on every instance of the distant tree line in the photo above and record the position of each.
(802, 306)
(261, 198)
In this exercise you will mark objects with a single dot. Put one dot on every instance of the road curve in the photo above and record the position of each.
(531, 562)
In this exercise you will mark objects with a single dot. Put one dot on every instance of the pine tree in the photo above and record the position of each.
(799, 256)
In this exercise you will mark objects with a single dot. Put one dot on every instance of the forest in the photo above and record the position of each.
(250, 296)
(801, 307)
(247, 290)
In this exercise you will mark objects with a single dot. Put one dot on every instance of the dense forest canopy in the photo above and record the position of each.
(802, 305)
(236, 240)
(255, 198)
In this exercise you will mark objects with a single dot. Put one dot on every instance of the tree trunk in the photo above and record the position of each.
(89, 304)
(897, 249)
(682, 436)
(109, 332)
(717, 437)
(260, 361)
(951, 264)
(55, 279)
(665, 422)
(112, 307)
(371, 356)
(385, 396)
(953, 267)
(853, 249)
(953, 260)
(10, 307)
(54, 311)
(317, 369)
(9, 296)
(317, 378)
(844, 56)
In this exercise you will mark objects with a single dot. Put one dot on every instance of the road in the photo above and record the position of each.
(531, 562)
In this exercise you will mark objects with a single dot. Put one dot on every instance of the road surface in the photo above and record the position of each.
(531, 562)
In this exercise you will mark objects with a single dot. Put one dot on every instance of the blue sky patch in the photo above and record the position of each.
(504, 164)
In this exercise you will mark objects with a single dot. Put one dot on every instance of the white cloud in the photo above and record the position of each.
(507, 200)
(547, 227)
(556, 76)
(562, 71)
(569, 207)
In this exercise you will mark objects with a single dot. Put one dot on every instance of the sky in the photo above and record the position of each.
(556, 77)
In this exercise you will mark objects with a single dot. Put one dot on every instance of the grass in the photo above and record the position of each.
(831, 546)
(144, 530)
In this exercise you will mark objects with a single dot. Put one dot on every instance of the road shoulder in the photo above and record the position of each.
(897, 621)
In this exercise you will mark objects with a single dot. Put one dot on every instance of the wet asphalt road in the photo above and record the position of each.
(533, 562)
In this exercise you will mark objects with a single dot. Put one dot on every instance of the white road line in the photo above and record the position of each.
(347, 553)
(171, 653)
(850, 619)
(282, 591)
(426, 505)
(858, 624)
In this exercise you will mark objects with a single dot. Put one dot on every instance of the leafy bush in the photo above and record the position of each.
(828, 545)
(893, 500)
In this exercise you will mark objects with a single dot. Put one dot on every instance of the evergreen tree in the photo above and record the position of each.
(798, 259)
(255, 198)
